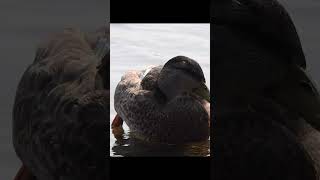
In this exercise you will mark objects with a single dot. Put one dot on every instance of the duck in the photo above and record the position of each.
(266, 101)
(270, 61)
(168, 103)
(61, 106)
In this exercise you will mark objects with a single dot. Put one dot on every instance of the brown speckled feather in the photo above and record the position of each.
(150, 116)
(60, 110)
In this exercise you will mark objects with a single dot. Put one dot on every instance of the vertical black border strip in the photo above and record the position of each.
(219, 13)
(212, 98)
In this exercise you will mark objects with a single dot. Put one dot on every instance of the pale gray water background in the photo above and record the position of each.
(137, 46)
(23, 24)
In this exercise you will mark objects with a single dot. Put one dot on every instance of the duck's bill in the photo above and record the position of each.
(203, 92)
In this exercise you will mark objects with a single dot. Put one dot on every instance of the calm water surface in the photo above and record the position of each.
(137, 46)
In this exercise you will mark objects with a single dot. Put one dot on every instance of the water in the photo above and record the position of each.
(137, 46)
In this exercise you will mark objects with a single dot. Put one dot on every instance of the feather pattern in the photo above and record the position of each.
(59, 115)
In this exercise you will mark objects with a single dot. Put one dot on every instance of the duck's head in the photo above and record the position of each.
(183, 75)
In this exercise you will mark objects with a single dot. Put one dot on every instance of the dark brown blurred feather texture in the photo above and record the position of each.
(260, 129)
(61, 108)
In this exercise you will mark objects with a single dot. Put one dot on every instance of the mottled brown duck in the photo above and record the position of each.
(61, 107)
(167, 103)
(267, 106)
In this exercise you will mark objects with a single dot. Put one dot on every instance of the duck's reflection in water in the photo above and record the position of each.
(127, 145)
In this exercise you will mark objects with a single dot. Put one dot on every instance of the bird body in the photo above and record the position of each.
(267, 106)
(152, 113)
(60, 108)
